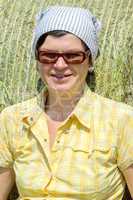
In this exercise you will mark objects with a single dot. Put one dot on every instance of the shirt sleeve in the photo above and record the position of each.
(125, 143)
(6, 158)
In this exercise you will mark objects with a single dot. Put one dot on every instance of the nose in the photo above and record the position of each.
(60, 63)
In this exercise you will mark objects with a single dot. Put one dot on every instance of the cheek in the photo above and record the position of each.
(83, 72)
(84, 69)
(43, 70)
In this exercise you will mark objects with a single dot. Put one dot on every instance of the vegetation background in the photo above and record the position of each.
(114, 67)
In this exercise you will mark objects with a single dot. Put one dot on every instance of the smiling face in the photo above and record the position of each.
(61, 76)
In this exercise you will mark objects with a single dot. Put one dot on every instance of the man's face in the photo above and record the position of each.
(61, 76)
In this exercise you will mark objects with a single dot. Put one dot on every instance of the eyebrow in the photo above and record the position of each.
(71, 50)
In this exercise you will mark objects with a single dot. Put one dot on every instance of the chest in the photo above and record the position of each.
(52, 131)
(81, 163)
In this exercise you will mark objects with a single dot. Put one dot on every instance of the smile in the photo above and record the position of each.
(61, 76)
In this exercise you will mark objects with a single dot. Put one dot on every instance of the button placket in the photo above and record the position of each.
(37, 130)
(45, 140)
(67, 131)
(31, 119)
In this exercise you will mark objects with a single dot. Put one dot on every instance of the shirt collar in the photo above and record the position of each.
(82, 111)
(34, 108)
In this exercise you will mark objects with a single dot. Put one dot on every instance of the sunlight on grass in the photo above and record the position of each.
(114, 73)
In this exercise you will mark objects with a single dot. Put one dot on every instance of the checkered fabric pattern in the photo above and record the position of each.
(92, 148)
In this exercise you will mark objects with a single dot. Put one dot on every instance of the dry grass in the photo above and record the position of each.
(17, 66)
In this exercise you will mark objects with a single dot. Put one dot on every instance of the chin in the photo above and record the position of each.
(65, 86)
(62, 88)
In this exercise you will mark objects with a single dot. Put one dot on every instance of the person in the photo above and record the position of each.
(67, 142)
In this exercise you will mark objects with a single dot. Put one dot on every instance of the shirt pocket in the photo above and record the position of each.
(102, 162)
(100, 154)
(86, 165)
(79, 148)
(91, 149)
(104, 153)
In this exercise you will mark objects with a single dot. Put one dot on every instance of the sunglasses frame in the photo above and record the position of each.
(62, 54)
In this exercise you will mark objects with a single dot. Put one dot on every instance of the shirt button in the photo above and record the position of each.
(24, 128)
(58, 141)
(67, 131)
(45, 140)
(31, 119)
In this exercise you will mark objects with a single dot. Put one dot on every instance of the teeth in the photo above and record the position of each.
(61, 76)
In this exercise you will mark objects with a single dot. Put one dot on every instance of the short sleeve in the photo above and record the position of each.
(6, 158)
(125, 143)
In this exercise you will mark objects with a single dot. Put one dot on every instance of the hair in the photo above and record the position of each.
(90, 78)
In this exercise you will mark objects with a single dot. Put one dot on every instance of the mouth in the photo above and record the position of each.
(61, 76)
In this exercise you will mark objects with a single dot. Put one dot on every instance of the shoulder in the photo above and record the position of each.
(19, 110)
(108, 107)
(113, 103)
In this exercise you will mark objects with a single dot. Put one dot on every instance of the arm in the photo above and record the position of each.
(128, 174)
(7, 175)
(7, 178)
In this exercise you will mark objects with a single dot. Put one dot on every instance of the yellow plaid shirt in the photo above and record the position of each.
(92, 147)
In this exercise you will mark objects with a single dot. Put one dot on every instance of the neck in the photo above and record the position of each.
(60, 105)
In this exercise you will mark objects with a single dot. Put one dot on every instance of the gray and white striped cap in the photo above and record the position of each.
(75, 20)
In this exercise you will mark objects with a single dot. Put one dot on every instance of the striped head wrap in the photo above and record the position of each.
(75, 20)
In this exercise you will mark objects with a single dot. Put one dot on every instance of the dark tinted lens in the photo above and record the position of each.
(47, 57)
(77, 57)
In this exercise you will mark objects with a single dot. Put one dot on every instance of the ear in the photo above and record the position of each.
(91, 68)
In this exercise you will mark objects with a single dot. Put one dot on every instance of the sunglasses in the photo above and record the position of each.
(71, 57)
